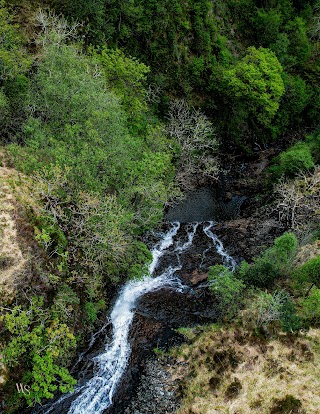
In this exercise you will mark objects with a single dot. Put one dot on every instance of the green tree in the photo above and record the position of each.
(300, 47)
(14, 64)
(13, 57)
(294, 160)
(227, 289)
(267, 24)
(294, 102)
(255, 82)
(310, 308)
(126, 76)
(42, 345)
(275, 262)
(309, 272)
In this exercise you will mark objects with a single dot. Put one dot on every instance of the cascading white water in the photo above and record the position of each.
(228, 261)
(96, 395)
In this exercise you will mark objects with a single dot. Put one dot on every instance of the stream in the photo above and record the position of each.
(96, 394)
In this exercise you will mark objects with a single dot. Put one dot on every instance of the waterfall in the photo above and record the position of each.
(228, 261)
(96, 394)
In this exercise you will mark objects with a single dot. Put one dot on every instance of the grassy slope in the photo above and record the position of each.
(229, 370)
(12, 259)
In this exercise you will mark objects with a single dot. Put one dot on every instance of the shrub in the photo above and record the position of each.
(314, 144)
(261, 274)
(227, 288)
(288, 404)
(310, 308)
(292, 161)
(267, 24)
(298, 201)
(289, 319)
(283, 252)
(91, 309)
(42, 346)
(65, 304)
(309, 272)
(274, 262)
(5, 261)
(266, 309)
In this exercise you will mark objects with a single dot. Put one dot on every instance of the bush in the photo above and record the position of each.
(300, 47)
(267, 24)
(292, 161)
(91, 310)
(273, 263)
(309, 272)
(314, 144)
(290, 321)
(288, 404)
(298, 201)
(138, 258)
(227, 288)
(261, 274)
(266, 309)
(42, 347)
(310, 308)
(293, 103)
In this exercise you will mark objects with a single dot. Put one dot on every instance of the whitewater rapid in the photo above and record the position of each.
(96, 394)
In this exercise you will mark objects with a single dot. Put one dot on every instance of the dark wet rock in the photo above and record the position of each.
(179, 309)
(248, 237)
(205, 204)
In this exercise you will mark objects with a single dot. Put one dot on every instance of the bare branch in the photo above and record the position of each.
(298, 203)
(198, 142)
(54, 29)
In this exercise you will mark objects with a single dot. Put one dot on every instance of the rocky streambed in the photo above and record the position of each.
(245, 226)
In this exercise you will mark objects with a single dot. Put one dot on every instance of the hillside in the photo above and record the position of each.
(227, 370)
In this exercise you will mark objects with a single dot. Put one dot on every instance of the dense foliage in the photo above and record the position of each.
(199, 49)
(114, 109)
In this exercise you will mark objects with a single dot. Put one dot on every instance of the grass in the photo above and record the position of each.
(230, 371)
